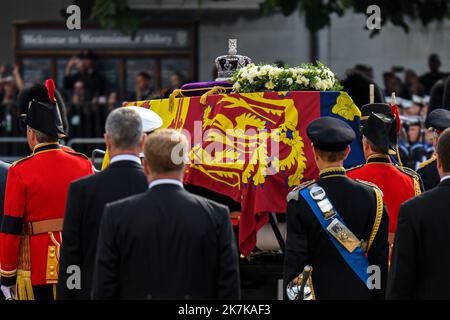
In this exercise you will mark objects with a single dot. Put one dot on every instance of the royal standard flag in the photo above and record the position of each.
(253, 147)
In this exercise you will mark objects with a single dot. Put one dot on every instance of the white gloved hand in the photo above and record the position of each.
(9, 292)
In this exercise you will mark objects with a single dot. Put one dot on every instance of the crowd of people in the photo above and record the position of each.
(87, 97)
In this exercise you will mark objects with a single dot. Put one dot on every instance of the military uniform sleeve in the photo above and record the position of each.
(296, 249)
(71, 240)
(106, 267)
(11, 227)
(426, 181)
(403, 265)
(378, 254)
(228, 281)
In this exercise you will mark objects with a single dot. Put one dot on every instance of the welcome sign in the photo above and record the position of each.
(50, 39)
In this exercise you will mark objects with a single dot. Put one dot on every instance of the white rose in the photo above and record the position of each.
(305, 80)
(329, 83)
(265, 70)
(289, 81)
(236, 86)
(293, 72)
(269, 85)
(320, 85)
(251, 75)
(275, 72)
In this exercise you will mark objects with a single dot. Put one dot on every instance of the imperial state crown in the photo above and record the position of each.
(228, 64)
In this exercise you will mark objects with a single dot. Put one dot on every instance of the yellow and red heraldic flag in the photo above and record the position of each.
(253, 147)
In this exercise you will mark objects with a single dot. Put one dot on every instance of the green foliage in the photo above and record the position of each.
(115, 14)
(398, 12)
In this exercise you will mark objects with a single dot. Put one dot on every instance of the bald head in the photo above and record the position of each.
(166, 152)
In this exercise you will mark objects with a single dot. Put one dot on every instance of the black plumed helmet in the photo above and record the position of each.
(38, 93)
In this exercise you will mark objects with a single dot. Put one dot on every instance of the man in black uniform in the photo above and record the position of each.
(437, 121)
(420, 263)
(166, 243)
(338, 203)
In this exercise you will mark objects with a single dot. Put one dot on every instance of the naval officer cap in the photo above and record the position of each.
(150, 119)
(330, 134)
(438, 120)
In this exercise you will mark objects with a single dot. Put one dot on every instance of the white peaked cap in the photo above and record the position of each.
(150, 119)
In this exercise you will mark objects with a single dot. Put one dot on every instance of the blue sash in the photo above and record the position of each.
(356, 260)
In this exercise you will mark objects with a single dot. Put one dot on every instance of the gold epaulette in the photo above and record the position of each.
(293, 195)
(415, 176)
(355, 167)
(408, 171)
(70, 151)
(370, 184)
(15, 163)
(427, 162)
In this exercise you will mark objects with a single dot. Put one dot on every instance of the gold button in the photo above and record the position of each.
(52, 255)
(52, 273)
(52, 250)
(52, 268)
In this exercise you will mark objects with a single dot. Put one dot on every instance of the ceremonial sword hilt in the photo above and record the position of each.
(296, 288)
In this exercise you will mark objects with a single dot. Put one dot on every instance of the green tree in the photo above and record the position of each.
(117, 15)
(398, 12)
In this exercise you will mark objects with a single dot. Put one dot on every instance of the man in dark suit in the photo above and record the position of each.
(87, 198)
(317, 213)
(166, 243)
(420, 261)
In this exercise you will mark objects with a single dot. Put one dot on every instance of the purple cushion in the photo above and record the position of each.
(199, 88)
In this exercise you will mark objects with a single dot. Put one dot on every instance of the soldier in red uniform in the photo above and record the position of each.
(35, 201)
(397, 183)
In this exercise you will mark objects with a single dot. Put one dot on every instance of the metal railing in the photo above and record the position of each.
(85, 145)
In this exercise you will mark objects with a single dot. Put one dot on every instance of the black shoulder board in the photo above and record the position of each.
(294, 193)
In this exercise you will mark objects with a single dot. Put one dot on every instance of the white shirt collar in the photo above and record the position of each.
(125, 157)
(165, 181)
(445, 177)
